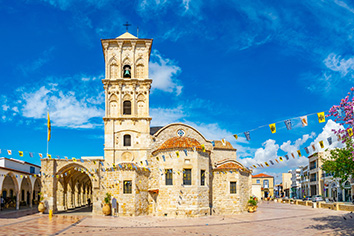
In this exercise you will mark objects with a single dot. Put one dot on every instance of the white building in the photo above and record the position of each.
(19, 183)
(295, 183)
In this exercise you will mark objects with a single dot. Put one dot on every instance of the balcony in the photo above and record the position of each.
(313, 167)
(313, 179)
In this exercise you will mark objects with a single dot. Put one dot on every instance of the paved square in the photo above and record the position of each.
(270, 219)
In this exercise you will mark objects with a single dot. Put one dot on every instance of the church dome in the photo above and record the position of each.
(180, 142)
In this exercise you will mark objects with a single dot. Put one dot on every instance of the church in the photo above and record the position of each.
(169, 171)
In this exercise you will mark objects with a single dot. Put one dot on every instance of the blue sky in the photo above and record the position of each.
(224, 67)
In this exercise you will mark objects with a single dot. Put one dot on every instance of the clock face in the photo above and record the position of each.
(180, 133)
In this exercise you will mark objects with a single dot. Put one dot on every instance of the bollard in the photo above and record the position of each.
(50, 214)
(314, 205)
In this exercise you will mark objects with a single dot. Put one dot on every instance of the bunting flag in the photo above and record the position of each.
(49, 156)
(304, 121)
(247, 134)
(203, 147)
(276, 160)
(223, 141)
(212, 142)
(350, 131)
(185, 152)
(329, 140)
(235, 136)
(306, 150)
(120, 166)
(177, 154)
(66, 158)
(254, 166)
(20, 153)
(0, 151)
(49, 127)
(262, 165)
(321, 144)
(31, 154)
(74, 160)
(40, 155)
(287, 157)
(147, 163)
(299, 153)
(100, 163)
(9, 152)
(288, 124)
(271, 162)
(272, 127)
(163, 157)
(321, 117)
(292, 154)
(280, 158)
(313, 147)
(266, 164)
(157, 158)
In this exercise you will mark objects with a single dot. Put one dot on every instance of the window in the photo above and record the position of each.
(32, 169)
(202, 177)
(187, 176)
(127, 108)
(232, 187)
(168, 177)
(127, 140)
(258, 181)
(265, 183)
(22, 195)
(127, 186)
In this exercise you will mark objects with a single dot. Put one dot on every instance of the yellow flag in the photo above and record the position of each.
(74, 159)
(299, 153)
(21, 176)
(280, 158)
(273, 128)
(20, 153)
(49, 156)
(203, 147)
(177, 153)
(321, 144)
(321, 117)
(266, 163)
(49, 127)
(235, 135)
(350, 132)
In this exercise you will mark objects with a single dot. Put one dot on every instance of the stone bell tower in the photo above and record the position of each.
(127, 88)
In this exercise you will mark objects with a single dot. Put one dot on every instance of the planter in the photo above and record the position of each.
(252, 209)
(41, 207)
(106, 209)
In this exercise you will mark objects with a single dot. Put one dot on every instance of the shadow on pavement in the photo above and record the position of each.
(343, 225)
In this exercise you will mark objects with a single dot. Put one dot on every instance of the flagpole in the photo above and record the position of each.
(47, 132)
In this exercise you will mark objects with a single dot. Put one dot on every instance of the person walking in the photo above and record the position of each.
(2, 203)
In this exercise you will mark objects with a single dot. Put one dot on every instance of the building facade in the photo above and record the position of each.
(295, 183)
(304, 181)
(286, 184)
(163, 171)
(267, 184)
(19, 183)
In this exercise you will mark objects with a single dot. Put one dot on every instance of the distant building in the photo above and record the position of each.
(295, 183)
(19, 183)
(266, 182)
(286, 181)
(304, 181)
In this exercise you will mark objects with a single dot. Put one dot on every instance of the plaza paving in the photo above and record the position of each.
(270, 219)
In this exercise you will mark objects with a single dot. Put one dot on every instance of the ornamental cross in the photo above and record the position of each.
(127, 25)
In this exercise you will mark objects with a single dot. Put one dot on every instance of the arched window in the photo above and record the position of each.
(127, 108)
(127, 140)
(127, 71)
(265, 183)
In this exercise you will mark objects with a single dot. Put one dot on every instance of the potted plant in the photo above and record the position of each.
(41, 206)
(107, 205)
(252, 204)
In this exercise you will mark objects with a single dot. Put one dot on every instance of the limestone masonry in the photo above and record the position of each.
(169, 171)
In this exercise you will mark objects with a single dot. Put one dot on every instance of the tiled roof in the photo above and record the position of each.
(261, 175)
(220, 145)
(230, 165)
(180, 142)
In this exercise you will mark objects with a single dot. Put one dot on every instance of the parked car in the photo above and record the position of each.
(306, 198)
(317, 198)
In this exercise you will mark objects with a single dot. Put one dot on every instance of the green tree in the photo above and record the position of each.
(340, 162)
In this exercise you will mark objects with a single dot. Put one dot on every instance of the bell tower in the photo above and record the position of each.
(127, 88)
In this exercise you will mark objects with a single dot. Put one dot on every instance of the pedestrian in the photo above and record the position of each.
(89, 201)
(2, 203)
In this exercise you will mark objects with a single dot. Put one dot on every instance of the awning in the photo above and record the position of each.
(153, 190)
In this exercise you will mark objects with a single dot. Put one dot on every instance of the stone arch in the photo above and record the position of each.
(36, 191)
(127, 97)
(139, 68)
(113, 106)
(25, 192)
(10, 184)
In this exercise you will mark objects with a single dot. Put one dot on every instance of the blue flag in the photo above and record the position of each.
(287, 157)
(247, 134)
(288, 124)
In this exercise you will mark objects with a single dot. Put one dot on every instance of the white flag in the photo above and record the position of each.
(304, 120)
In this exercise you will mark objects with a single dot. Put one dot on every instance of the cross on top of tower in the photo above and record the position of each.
(127, 25)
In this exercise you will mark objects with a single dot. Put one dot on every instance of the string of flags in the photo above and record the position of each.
(273, 127)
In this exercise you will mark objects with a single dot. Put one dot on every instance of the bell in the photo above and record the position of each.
(126, 72)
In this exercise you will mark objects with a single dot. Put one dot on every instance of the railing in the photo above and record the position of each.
(312, 167)
(313, 179)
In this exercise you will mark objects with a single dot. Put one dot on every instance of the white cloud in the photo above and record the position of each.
(164, 116)
(5, 107)
(36, 64)
(343, 66)
(163, 73)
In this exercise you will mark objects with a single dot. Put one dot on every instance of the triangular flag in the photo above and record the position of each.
(329, 139)
(350, 132)
(321, 117)
(304, 121)
(9, 152)
(299, 153)
(20, 153)
(288, 124)
(235, 136)
(306, 150)
(272, 127)
(247, 134)
(321, 144)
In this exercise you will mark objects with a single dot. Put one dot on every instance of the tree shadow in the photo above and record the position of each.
(342, 224)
